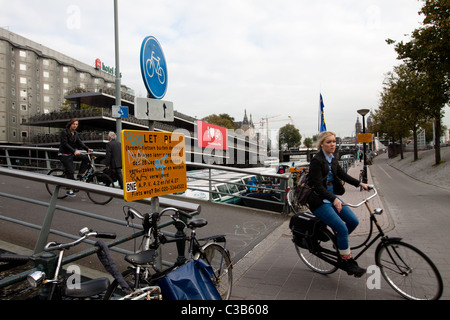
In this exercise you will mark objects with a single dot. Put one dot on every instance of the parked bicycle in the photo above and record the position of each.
(405, 268)
(47, 275)
(91, 176)
(144, 273)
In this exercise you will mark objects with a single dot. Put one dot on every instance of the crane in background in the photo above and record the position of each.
(264, 123)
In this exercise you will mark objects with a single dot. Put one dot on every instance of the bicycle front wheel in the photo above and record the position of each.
(218, 258)
(59, 173)
(101, 179)
(408, 271)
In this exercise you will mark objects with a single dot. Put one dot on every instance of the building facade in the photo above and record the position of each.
(34, 80)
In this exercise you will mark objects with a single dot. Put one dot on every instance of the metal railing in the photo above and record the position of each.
(43, 159)
(45, 230)
(35, 162)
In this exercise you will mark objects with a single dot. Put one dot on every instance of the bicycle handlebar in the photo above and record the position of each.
(371, 187)
(85, 233)
(132, 213)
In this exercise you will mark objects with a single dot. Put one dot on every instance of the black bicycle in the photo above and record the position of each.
(144, 272)
(47, 276)
(405, 268)
(91, 176)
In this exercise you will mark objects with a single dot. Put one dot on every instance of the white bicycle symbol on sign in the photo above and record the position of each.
(151, 68)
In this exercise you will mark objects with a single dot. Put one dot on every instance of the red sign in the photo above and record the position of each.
(98, 64)
(212, 136)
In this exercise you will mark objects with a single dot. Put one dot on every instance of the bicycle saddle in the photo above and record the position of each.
(87, 289)
(197, 223)
(141, 258)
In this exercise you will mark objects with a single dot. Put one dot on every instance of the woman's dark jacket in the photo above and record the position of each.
(318, 175)
(69, 143)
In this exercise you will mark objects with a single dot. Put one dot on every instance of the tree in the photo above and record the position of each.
(428, 54)
(403, 104)
(308, 142)
(290, 135)
(223, 120)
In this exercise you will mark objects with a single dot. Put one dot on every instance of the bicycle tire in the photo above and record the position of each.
(324, 257)
(408, 270)
(219, 259)
(100, 179)
(57, 172)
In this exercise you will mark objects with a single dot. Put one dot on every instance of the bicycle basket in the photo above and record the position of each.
(306, 229)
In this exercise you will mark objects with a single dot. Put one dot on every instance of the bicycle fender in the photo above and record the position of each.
(216, 238)
(389, 240)
(226, 252)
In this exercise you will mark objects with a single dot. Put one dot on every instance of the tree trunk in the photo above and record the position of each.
(416, 153)
(401, 149)
(437, 140)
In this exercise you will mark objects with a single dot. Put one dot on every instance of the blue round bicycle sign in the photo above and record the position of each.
(153, 68)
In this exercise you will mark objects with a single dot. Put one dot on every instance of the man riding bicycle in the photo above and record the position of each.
(69, 147)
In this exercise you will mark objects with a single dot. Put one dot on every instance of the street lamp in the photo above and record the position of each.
(363, 113)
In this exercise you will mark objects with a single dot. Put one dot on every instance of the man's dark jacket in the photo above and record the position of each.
(113, 155)
(318, 175)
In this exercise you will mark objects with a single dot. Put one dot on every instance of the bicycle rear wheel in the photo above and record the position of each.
(408, 271)
(218, 258)
(101, 179)
(59, 173)
(323, 258)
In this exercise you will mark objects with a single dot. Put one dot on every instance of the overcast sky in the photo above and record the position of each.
(272, 58)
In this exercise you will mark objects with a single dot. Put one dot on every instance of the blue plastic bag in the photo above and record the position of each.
(191, 281)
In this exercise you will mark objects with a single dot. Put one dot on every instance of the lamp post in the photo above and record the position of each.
(363, 113)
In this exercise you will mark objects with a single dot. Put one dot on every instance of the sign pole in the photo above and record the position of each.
(118, 82)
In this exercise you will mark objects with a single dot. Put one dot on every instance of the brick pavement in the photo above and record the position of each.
(273, 270)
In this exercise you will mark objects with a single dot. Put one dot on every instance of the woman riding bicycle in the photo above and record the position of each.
(70, 144)
(326, 176)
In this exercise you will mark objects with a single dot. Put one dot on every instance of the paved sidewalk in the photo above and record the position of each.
(273, 270)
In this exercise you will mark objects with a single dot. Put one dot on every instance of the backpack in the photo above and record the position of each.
(303, 190)
(306, 230)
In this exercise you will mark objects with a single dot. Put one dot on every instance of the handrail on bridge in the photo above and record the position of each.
(192, 208)
(45, 230)
(283, 178)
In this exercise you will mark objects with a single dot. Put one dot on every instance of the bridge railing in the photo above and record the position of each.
(43, 159)
(45, 228)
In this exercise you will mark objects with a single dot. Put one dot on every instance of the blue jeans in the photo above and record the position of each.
(343, 223)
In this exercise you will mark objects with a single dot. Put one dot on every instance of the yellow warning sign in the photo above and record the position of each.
(364, 137)
(153, 164)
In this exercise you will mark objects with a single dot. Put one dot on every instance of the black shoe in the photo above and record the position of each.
(352, 268)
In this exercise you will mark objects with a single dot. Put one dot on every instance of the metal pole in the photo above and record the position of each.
(45, 230)
(118, 82)
(365, 155)
(363, 113)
